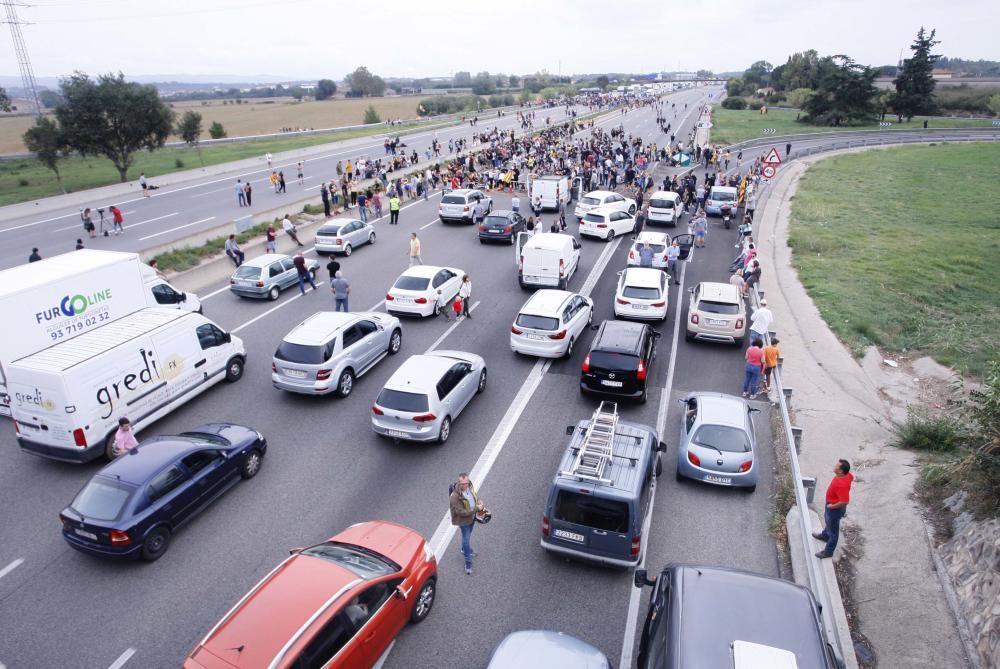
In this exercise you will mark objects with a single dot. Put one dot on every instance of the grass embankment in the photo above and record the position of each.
(901, 248)
(730, 126)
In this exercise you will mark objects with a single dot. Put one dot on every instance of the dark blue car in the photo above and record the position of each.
(132, 507)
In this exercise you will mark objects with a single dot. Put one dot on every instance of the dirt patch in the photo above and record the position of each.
(851, 547)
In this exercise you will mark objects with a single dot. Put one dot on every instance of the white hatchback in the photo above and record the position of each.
(604, 198)
(658, 242)
(642, 294)
(415, 291)
(605, 222)
(550, 323)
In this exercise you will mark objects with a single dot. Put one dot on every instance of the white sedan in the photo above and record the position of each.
(642, 294)
(658, 243)
(416, 290)
(604, 198)
(605, 223)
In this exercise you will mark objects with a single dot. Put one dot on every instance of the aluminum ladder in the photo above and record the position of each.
(596, 451)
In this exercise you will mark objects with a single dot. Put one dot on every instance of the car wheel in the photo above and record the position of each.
(346, 383)
(659, 466)
(234, 370)
(445, 430)
(252, 464)
(348, 250)
(482, 382)
(569, 348)
(739, 342)
(395, 341)
(371, 238)
(751, 489)
(312, 273)
(643, 397)
(273, 293)
(677, 474)
(611, 235)
(156, 544)
(425, 601)
(562, 284)
(688, 336)
(109, 447)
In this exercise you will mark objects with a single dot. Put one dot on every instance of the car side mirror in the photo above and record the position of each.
(227, 337)
(399, 593)
(640, 579)
(570, 429)
(662, 447)
(753, 410)
(594, 327)
(183, 297)
(691, 290)
(657, 334)
(296, 551)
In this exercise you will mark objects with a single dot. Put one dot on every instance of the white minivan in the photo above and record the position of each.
(546, 259)
(66, 399)
(665, 208)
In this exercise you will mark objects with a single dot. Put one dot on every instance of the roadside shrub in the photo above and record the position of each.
(178, 163)
(216, 131)
(23, 182)
(734, 103)
(755, 105)
(924, 432)
(371, 116)
(983, 462)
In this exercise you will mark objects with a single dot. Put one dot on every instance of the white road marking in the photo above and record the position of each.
(179, 227)
(11, 567)
(377, 665)
(275, 308)
(427, 225)
(122, 659)
(80, 224)
(151, 220)
(447, 332)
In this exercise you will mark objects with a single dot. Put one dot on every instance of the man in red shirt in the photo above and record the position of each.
(838, 495)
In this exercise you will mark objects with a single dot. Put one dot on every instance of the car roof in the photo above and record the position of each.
(604, 210)
(549, 241)
(617, 335)
(427, 271)
(724, 189)
(136, 466)
(716, 606)
(720, 292)
(264, 260)
(631, 443)
(504, 213)
(420, 373)
(665, 193)
(600, 193)
(320, 327)
(546, 301)
(339, 223)
(542, 649)
(461, 192)
(643, 277)
(721, 409)
(653, 237)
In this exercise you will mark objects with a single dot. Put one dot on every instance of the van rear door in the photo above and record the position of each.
(541, 266)
(591, 524)
(522, 239)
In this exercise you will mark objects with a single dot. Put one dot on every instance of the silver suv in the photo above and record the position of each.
(460, 205)
(326, 352)
(343, 236)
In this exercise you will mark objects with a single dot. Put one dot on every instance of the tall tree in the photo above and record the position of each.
(325, 88)
(603, 82)
(112, 117)
(46, 141)
(364, 83)
(757, 76)
(483, 84)
(189, 130)
(514, 81)
(4, 101)
(914, 83)
(846, 93)
(462, 79)
(801, 70)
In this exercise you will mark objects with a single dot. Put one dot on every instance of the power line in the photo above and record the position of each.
(23, 62)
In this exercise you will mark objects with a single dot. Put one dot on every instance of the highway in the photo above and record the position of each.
(325, 469)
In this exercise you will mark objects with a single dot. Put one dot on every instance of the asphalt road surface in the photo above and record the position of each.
(325, 469)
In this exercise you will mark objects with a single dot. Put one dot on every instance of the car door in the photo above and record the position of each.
(215, 354)
(450, 284)
(684, 243)
(372, 343)
(377, 615)
(353, 350)
(446, 392)
(334, 640)
(289, 275)
(622, 222)
(522, 239)
(465, 386)
(274, 274)
(170, 495)
(210, 475)
(166, 296)
(578, 319)
(358, 235)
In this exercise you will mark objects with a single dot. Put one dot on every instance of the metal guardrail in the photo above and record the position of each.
(918, 135)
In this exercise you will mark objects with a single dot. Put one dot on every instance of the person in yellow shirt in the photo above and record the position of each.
(771, 355)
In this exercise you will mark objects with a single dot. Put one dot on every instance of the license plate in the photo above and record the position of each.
(295, 373)
(535, 336)
(533, 279)
(496, 232)
(640, 307)
(404, 300)
(715, 321)
(86, 535)
(613, 384)
(722, 480)
(247, 283)
(397, 433)
(569, 536)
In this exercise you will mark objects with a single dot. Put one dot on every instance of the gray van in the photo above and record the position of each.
(601, 493)
(702, 616)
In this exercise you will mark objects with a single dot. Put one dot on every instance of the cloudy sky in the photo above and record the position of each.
(329, 38)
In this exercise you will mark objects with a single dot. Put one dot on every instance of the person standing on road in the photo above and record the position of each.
(562, 214)
(117, 219)
(751, 205)
(760, 322)
(281, 182)
(363, 207)
(788, 150)
(88, 223)
(414, 251)
(241, 196)
(267, 157)
(465, 294)
(515, 204)
(272, 240)
(771, 355)
(394, 204)
(324, 195)
(673, 256)
(233, 250)
(333, 267)
(304, 275)
(274, 181)
(645, 255)
(300, 169)
(463, 504)
(754, 363)
(341, 289)
(700, 228)
(125, 440)
(248, 191)
(443, 307)
(838, 495)
(737, 280)
(290, 229)
(479, 212)
(143, 184)
(34, 257)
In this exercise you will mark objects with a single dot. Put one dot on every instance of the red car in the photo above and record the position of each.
(338, 604)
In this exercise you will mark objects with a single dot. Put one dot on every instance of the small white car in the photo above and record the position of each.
(415, 291)
(605, 223)
(604, 198)
(550, 323)
(658, 242)
(343, 236)
(665, 208)
(642, 294)
(422, 398)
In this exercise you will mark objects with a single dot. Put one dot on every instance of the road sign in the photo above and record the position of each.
(770, 131)
(772, 157)
(884, 124)
(769, 171)
(996, 122)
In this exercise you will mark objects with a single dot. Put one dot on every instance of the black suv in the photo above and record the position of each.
(619, 360)
(501, 226)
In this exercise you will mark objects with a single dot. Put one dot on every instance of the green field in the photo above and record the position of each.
(901, 248)
(26, 180)
(730, 126)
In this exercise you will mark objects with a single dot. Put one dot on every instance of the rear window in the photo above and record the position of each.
(614, 360)
(661, 204)
(641, 293)
(328, 231)
(591, 201)
(400, 401)
(453, 199)
(361, 561)
(727, 308)
(656, 248)
(537, 322)
(412, 283)
(601, 514)
(593, 218)
(102, 499)
(246, 272)
(725, 438)
(496, 221)
(722, 197)
(306, 355)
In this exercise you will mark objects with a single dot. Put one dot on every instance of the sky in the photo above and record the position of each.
(421, 38)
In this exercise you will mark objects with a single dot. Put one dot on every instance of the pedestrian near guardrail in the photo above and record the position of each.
(303, 272)
(324, 194)
(838, 495)
(34, 257)
(760, 322)
(271, 246)
(752, 368)
(233, 251)
(771, 355)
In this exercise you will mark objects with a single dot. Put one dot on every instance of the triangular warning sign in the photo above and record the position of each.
(772, 157)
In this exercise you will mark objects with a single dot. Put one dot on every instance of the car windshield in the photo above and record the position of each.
(306, 355)
(496, 221)
(213, 439)
(724, 196)
(364, 563)
(591, 201)
(725, 438)
(453, 199)
(328, 231)
(601, 514)
(661, 204)
(614, 360)
(656, 248)
(593, 218)
(726, 308)
(401, 401)
(537, 322)
(641, 293)
(412, 283)
(247, 272)
(102, 499)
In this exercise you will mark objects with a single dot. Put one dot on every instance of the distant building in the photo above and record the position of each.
(939, 73)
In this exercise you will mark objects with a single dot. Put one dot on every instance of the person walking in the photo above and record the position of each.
(700, 228)
(645, 255)
(737, 280)
(274, 181)
(125, 440)
(271, 246)
(673, 256)
(290, 229)
(143, 184)
(754, 362)
(300, 170)
(324, 194)
(788, 150)
(414, 251)
(771, 355)
(515, 204)
(363, 207)
(281, 182)
(117, 219)
(248, 191)
(34, 257)
(463, 504)
(241, 196)
(562, 214)
(394, 204)
(304, 275)
(341, 289)
(838, 496)
(267, 157)
(760, 322)
(443, 307)
(233, 250)
(333, 267)
(465, 294)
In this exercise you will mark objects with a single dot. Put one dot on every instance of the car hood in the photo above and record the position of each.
(397, 542)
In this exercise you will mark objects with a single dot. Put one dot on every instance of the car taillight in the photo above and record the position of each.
(641, 372)
(631, 255)
(79, 438)
(694, 318)
(621, 301)
(636, 545)
(739, 323)
(520, 264)
(745, 467)
(421, 300)
(465, 209)
(513, 329)
(260, 284)
(659, 304)
(693, 459)
(562, 268)
(482, 228)
(586, 364)
(232, 281)
(425, 417)
(119, 538)
(545, 526)
(339, 242)
(665, 258)
(323, 374)
(509, 229)
(559, 335)
(377, 411)
(389, 298)
(274, 367)
(602, 225)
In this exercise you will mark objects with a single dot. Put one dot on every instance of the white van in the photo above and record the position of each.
(546, 259)
(550, 189)
(665, 208)
(66, 400)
